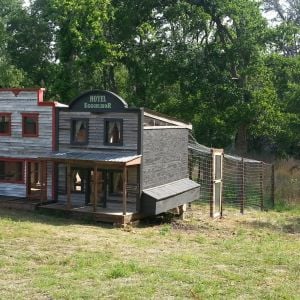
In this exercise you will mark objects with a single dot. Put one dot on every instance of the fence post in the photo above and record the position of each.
(261, 185)
(243, 186)
(222, 185)
(212, 198)
(199, 171)
(273, 186)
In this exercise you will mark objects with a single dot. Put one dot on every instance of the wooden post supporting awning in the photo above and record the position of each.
(95, 188)
(69, 180)
(43, 180)
(124, 190)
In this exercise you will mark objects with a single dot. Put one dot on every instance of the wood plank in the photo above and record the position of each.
(69, 205)
(124, 190)
(95, 187)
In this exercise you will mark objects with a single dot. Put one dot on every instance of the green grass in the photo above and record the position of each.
(255, 256)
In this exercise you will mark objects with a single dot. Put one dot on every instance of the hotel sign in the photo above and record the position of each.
(98, 101)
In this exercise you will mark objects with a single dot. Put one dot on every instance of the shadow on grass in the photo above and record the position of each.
(291, 225)
(50, 218)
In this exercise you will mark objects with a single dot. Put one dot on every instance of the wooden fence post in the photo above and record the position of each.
(222, 183)
(261, 185)
(242, 186)
(212, 198)
(273, 186)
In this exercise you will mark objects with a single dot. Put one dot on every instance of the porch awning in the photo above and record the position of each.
(114, 157)
(20, 155)
(162, 198)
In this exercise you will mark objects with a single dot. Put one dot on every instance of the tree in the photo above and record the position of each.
(10, 75)
(30, 45)
(84, 51)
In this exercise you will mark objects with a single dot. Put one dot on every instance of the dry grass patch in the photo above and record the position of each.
(245, 257)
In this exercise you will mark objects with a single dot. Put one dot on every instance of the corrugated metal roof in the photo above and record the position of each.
(171, 189)
(117, 157)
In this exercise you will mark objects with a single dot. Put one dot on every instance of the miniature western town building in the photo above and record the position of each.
(27, 131)
(95, 156)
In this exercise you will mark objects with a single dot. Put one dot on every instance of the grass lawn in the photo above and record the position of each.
(255, 256)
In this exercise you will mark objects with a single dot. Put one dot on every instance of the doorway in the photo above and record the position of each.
(35, 179)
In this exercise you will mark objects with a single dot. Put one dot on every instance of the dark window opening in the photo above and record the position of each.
(113, 132)
(115, 183)
(11, 171)
(79, 132)
(30, 125)
(5, 124)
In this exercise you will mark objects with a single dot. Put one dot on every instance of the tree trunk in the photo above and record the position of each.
(241, 142)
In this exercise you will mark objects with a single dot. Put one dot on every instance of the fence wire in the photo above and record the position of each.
(246, 182)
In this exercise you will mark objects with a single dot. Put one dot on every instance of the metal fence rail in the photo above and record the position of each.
(246, 182)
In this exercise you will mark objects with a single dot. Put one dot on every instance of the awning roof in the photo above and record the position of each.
(171, 189)
(108, 157)
(18, 155)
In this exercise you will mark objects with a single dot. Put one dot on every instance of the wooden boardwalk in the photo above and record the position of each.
(111, 214)
(10, 202)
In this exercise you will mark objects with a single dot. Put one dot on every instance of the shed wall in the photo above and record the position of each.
(165, 156)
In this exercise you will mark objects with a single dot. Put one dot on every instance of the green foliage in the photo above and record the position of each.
(217, 64)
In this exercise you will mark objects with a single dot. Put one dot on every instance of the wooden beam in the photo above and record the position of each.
(95, 188)
(42, 181)
(136, 161)
(124, 190)
(69, 204)
(242, 200)
(88, 163)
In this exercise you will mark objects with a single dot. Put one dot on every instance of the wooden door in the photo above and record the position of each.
(217, 180)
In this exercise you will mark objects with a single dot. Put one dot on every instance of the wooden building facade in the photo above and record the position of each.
(27, 130)
(98, 155)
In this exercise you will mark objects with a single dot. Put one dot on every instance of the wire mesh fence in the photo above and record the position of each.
(245, 182)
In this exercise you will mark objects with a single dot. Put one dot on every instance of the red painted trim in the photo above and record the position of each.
(9, 129)
(33, 116)
(5, 159)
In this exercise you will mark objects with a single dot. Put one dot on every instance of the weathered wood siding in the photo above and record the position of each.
(12, 189)
(96, 130)
(17, 145)
(165, 156)
(25, 102)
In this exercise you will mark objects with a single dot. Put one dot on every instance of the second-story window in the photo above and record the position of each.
(30, 125)
(5, 124)
(114, 131)
(79, 131)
